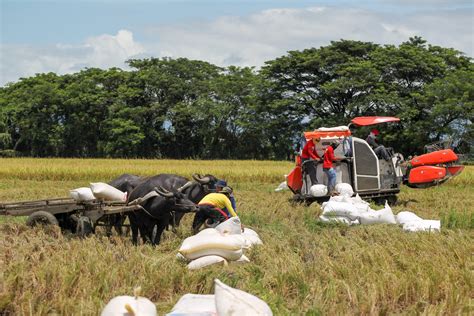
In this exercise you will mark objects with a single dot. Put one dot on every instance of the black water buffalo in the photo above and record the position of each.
(168, 208)
(125, 183)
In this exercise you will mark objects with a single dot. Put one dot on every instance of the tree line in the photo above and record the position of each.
(180, 108)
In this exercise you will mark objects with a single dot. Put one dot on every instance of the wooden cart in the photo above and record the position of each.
(79, 217)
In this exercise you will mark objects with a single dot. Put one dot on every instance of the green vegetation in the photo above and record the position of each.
(304, 267)
(180, 108)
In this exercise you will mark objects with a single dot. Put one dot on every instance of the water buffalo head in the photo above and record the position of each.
(208, 182)
(177, 200)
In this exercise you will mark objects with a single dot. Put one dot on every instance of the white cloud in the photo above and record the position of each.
(103, 51)
(245, 41)
(252, 40)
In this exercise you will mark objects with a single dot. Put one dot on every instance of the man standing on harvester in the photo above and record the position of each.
(328, 168)
(214, 208)
(308, 158)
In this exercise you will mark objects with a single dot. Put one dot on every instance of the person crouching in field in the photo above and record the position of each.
(214, 208)
(221, 184)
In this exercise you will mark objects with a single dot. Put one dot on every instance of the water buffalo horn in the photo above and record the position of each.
(201, 180)
(185, 186)
(164, 192)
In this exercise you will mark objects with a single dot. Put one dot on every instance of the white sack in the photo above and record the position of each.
(181, 258)
(244, 242)
(423, 225)
(194, 304)
(344, 209)
(358, 199)
(107, 192)
(282, 186)
(413, 223)
(206, 245)
(243, 259)
(252, 237)
(231, 226)
(206, 261)
(230, 301)
(383, 216)
(129, 305)
(333, 129)
(82, 194)
(344, 189)
(318, 190)
(338, 219)
(362, 207)
(339, 198)
(208, 232)
(406, 217)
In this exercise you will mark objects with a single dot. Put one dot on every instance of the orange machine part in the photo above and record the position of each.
(455, 170)
(298, 160)
(426, 174)
(372, 120)
(295, 179)
(434, 158)
(326, 134)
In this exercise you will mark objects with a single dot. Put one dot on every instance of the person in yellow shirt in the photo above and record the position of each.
(214, 208)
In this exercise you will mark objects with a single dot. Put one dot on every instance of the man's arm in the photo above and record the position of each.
(229, 207)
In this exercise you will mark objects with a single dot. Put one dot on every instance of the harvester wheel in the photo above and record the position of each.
(392, 200)
(296, 200)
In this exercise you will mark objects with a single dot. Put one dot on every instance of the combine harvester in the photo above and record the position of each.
(371, 177)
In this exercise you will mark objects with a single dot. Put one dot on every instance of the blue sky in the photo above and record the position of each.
(66, 36)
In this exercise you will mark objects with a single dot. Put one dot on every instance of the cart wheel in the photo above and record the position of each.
(84, 226)
(41, 218)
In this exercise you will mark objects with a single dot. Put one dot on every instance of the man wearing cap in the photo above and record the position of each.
(212, 209)
(379, 150)
(308, 156)
(219, 186)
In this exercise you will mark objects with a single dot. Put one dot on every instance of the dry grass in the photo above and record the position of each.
(304, 267)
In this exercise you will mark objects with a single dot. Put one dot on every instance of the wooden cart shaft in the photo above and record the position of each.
(65, 205)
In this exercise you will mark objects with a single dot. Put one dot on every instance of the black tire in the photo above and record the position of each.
(392, 200)
(379, 200)
(84, 226)
(41, 218)
(296, 200)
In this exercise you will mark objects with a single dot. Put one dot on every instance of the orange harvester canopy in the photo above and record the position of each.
(372, 120)
(326, 134)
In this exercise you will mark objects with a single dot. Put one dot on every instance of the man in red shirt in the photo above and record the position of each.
(328, 167)
(308, 156)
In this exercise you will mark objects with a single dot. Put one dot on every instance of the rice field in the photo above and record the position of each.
(304, 267)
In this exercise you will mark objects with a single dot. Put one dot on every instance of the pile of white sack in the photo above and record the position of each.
(225, 301)
(319, 190)
(98, 191)
(225, 243)
(354, 211)
(129, 305)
